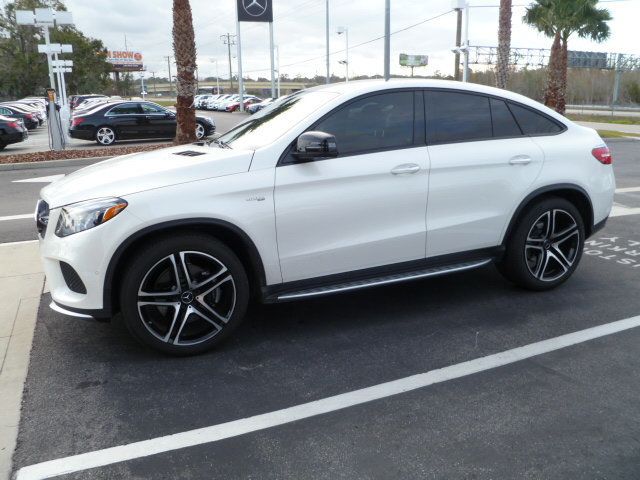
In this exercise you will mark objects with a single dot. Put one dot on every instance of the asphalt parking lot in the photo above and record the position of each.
(568, 413)
(38, 139)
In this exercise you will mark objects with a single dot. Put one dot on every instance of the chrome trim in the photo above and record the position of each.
(373, 283)
(59, 309)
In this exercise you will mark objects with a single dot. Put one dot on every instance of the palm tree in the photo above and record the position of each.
(504, 44)
(560, 19)
(184, 49)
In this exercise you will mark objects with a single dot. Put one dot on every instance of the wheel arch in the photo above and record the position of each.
(231, 235)
(575, 194)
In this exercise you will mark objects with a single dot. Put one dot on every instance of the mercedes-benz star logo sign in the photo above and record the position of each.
(255, 8)
(187, 297)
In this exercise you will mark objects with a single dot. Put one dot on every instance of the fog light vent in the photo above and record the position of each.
(72, 278)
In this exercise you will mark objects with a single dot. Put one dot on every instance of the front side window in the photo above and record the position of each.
(126, 109)
(376, 122)
(533, 123)
(457, 117)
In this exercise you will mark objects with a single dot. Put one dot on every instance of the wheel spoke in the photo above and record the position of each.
(183, 322)
(184, 268)
(174, 291)
(207, 319)
(560, 258)
(565, 235)
(213, 278)
(543, 261)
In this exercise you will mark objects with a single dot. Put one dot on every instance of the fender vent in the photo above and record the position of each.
(72, 279)
(189, 153)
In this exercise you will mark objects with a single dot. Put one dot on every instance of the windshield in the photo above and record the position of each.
(273, 121)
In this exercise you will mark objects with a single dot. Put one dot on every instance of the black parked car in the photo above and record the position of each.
(11, 131)
(29, 118)
(109, 122)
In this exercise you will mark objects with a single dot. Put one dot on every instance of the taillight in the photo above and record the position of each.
(603, 155)
(13, 124)
(77, 121)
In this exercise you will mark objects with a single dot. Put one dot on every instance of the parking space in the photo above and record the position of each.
(559, 413)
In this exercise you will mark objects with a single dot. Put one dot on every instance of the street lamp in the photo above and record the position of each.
(345, 62)
(217, 76)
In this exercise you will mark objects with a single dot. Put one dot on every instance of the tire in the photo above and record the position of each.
(201, 131)
(105, 135)
(195, 313)
(546, 245)
(2, 146)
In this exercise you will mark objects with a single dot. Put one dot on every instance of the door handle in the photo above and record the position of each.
(405, 169)
(520, 160)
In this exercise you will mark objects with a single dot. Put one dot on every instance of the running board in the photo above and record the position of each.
(384, 280)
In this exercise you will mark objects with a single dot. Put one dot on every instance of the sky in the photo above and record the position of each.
(299, 32)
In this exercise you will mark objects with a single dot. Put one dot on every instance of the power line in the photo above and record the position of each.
(359, 44)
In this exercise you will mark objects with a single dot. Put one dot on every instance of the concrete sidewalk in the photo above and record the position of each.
(21, 285)
(616, 127)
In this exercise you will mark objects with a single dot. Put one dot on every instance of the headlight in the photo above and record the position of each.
(81, 216)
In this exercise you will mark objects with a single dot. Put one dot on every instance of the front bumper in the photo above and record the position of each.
(88, 253)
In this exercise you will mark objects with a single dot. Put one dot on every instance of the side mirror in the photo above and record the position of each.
(311, 145)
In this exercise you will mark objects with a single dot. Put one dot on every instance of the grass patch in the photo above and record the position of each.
(164, 103)
(614, 134)
(583, 117)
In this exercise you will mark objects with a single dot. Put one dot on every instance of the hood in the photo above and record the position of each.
(138, 172)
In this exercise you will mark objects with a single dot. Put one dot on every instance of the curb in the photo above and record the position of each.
(80, 162)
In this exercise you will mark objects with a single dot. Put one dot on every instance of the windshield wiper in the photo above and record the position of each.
(220, 143)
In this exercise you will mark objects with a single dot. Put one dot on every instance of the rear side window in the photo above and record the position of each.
(457, 117)
(377, 122)
(533, 123)
(126, 109)
(504, 125)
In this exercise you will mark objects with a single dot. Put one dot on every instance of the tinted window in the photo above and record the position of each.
(128, 108)
(533, 123)
(504, 125)
(454, 117)
(375, 122)
(151, 108)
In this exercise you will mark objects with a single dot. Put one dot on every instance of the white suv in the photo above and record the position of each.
(331, 189)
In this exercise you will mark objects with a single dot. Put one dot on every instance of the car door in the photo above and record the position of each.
(127, 119)
(158, 122)
(481, 168)
(365, 208)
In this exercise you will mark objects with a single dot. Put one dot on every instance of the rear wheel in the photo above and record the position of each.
(200, 131)
(184, 294)
(546, 245)
(105, 135)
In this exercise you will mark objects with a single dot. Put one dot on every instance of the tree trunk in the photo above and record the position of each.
(552, 91)
(184, 49)
(504, 44)
(562, 87)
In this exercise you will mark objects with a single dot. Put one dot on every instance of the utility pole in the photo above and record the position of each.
(387, 39)
(465, 73)
(168, 57)
(456, 69)
(229, 40)
(153, 76)
(327, 41)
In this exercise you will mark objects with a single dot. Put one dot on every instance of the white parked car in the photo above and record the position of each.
(332, 189)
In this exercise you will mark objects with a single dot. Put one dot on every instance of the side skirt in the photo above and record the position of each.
(379, 276)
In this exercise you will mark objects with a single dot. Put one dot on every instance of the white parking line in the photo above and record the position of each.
(621, 211)
(234, 428)
(16, 217)
(628, 190)
(47, 179)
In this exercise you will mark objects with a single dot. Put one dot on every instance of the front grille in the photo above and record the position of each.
(72, 279)
(189, 153)
(42, 217)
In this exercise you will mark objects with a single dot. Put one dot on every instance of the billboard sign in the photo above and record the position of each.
(587, 60)
(413, 60)
(125, 61)
(255, 10)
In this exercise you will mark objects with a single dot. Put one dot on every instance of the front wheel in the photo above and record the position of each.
(184, 294)
(546, 246)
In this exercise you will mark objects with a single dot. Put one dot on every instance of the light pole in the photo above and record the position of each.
(277, 50)
(387, 39)
(327, 40)
(345, 30)
(217, 76)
